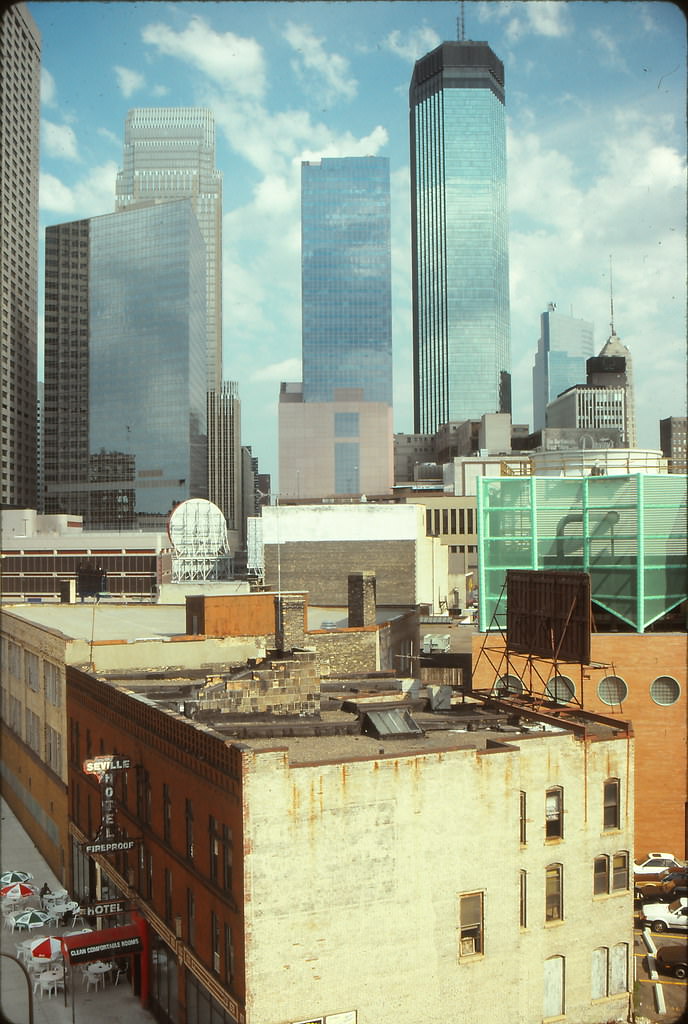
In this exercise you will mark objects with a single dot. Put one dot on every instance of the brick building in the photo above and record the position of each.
(277, 862)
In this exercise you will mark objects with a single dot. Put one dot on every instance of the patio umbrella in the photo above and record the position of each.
(11, 877)
(45, 949)
(31, 919)
(17, 891)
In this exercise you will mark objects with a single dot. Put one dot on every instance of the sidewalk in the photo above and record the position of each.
(109, 1005)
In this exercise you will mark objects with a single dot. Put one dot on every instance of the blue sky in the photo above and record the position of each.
(596, 154)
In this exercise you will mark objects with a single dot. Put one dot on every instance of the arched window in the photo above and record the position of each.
(554, 813)
(553, 988)
(612, 804)
(600, 881)
(554, 892)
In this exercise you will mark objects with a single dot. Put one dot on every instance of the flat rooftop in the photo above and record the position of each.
(342, 730)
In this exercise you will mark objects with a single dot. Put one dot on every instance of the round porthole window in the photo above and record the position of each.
(612, 690)
(665, 690)
(561, 689)
(509, 684)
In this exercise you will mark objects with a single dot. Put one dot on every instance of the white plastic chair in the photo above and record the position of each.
(94, 979)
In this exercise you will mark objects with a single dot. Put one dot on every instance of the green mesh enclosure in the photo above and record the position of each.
(628, 532)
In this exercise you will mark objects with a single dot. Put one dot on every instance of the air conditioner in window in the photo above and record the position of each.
(468, 946)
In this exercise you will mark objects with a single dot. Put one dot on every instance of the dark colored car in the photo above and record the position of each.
(671, 885)
(673, 960)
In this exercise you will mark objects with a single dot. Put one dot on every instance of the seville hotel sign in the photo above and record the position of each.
(108, 838)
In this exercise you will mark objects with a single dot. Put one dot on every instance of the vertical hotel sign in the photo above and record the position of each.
(108, 838)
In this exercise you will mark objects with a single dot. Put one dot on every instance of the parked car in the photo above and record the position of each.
(671, 885)
(673, 960)
(654, 865)
(660, 916)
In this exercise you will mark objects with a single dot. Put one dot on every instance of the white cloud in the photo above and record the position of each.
(48, 89)
(330, 72)
(549, 18)
(110, 136)
(412, 45)
(288, 369)
(160, 90)
(59, 140)
(609, 49)
(227, 59)
(128, 81)
(88, 197)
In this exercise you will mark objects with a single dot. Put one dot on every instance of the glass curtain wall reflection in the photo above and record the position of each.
(460, 274)
(346, 278)
(139, 393)
(565, 345)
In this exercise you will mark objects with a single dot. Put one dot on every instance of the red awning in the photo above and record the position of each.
(102, 945)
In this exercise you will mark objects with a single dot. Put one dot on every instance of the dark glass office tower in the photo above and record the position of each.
(346, 278)
(125, 366)
(460, 270)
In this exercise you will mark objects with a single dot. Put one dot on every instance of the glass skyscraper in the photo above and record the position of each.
(459, 231)
(20, 73)
(169, 153)
(565, 344)
(125, 368)
(346, 278)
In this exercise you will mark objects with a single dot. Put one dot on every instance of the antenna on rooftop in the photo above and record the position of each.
(611, 295)
(460, 32)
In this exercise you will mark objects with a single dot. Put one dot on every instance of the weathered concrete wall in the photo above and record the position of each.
(353, 874)
(289, 686)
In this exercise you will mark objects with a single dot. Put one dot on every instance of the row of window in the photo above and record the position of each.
(612, 690)
(46, 743)
(554, 810)
(26, 669)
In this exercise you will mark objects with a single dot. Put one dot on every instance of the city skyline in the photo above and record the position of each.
(459, 236)
(586, 179)
(564, 345)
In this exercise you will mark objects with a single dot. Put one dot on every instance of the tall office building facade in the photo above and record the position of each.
(564, 346)
(336, 425)
(20, 67)
(169, 153)
(459, 235)
(224, 457)
(125, 369)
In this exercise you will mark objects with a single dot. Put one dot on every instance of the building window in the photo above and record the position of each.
(189, 830)
(53, 749)
(227, 857)
(346, 424)
(214, 845)
(609, 970)
(31, 671)
(553, 989)
(620, 872)
(600, 884)
(523, 821)
(554, 813)
(215, 941)
(561, 689)
(190, 918)
(229, 955)
(471, 924)
(168, 896)
(612, 690)
(51, 679)
(523, 899)
(143, 793)
(554, 892)
(166, 813)
(612, 790)
(665, 691)
(32, 731)
(508, 684)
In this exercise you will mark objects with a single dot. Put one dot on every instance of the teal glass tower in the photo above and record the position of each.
(346, 278)
(459, 232)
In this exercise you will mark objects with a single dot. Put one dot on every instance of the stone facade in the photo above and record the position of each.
(289, 686)
(362, 601)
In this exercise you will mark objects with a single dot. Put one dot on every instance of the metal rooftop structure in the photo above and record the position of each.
(628, 532)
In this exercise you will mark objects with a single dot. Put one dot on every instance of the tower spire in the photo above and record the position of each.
(611, 296)
(460, 33)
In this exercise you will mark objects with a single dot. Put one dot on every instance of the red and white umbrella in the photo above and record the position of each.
(49, 948)
(17, 891)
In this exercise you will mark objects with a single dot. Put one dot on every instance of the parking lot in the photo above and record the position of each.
(674, 992)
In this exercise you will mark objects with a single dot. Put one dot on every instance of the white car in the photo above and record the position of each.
(660, 916)
(655, 863)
